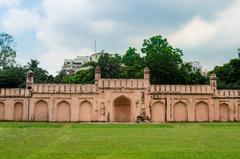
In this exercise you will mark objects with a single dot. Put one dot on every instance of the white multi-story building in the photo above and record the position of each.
(95, 57)
(71, 66)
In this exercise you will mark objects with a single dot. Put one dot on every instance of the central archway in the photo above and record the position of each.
(122, 109)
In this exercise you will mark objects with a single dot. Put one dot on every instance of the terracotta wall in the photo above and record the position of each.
(121, 100)
(162, 103)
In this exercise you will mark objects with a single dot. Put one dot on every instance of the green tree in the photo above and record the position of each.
(110, 65)
(60, 77)
(228, 75)
(33, 64)
(163, 60)
(132, 58)
(40, 75)
(12, 77)
(133, 64)
(81, 77)
(7, 51)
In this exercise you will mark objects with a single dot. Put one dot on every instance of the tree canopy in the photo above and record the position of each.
(228, 75)
(164, 61)
(7, 51)
(133, 64)
(166, 64)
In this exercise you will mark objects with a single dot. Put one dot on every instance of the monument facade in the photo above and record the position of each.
(119, 100)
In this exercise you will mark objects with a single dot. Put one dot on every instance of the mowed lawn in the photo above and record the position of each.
(28, 140)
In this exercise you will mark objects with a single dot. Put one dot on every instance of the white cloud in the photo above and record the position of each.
(67, 28)
(193, 33)
(9, 3)
(71, 26)
(19, 21)
(199, 32)
(103, 27)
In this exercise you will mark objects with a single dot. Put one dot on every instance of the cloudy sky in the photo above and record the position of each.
(51, 30)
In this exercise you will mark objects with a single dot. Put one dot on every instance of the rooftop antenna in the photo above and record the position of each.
(95, 46)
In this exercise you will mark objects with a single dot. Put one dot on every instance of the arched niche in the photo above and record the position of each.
(63, 112)
(2, 111)
(238, 112)
(85, 111)
(158, 112)
(41, 111)
(180, 112)
(18, 112)
(202, 111)
(224, 112)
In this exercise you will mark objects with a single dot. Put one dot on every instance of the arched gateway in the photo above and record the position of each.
(122, 109)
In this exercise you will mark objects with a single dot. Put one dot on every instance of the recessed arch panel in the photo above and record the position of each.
(238, 112)
(202, 111)
(63, 111)
(85, 111)
(41, 111)
(224, 112)
(18, 112)
(2, 111)
(180, 112)
(158, 112)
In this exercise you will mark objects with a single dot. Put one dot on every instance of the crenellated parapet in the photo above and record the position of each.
(127, 84)
(14, 92)
(227, 94)
(181, 89)
(122, 84)
(64, 88)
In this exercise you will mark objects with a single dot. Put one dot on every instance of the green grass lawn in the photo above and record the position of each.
(123, 141)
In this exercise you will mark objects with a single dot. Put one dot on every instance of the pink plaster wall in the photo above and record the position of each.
(120, 100)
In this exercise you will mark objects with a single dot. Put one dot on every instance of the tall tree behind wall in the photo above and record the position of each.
(133, 64)
(40, 75)
(163, 60)
(7, 51)
(228, 75)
